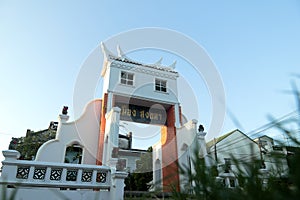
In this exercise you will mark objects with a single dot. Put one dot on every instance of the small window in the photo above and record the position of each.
(73, 154)
(160, 85)
(227, 165)
(127, 78)
(232, 183)
(121, 164)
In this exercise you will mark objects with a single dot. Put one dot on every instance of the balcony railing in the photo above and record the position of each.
(53, 175)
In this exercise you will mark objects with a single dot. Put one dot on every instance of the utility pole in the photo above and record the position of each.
(215, 145)
(261, 156)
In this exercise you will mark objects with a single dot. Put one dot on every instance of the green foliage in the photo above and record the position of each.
(29, 145)
(138, 181)
(202, 183)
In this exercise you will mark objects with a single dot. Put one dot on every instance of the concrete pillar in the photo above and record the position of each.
(112, 137)
(102, 130)
(9, 170)
(109, 101)
(117, 189)
(177, 116)
(170, 171)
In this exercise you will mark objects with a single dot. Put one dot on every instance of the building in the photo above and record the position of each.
(89, 153)
(128, 156)
(236, 153)
(233, 153)
(29, 145)
(274, 157)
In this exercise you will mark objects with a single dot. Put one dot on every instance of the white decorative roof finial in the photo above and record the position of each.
(120, 51)
(173, 65)
(159, 61)
(106, 52)
(122, 55)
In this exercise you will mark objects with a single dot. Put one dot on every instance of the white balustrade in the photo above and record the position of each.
(57, 175)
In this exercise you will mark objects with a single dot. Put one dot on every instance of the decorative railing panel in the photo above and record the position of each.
(22, 172)
(59, 175)
(39, 173)
(41, 180)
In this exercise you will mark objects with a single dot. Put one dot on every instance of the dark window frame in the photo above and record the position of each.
(160, 85)
(127, 78)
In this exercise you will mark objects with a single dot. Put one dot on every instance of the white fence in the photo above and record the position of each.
(33, 177)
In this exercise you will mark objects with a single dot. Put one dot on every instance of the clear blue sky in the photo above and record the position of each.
(255, 46)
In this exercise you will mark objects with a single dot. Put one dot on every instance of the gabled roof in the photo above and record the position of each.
(264, 136)
(219, 139)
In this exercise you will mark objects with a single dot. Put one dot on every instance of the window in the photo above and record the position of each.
(227, 164)
(127, 78)
(157, 172)
(160, 85)
(73, 154)
(231, 183)
(121, 164)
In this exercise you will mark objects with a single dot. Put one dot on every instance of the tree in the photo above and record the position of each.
(139, 180)
(29, 145)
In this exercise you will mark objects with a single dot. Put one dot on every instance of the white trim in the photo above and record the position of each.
(125, 84)
(161, 80)
(144, 98)
(177, 116)
(109, 101)
(145, 70)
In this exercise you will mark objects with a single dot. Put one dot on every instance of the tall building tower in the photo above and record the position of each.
(140, 93)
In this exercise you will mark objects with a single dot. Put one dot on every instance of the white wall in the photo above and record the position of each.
(106, 80)
(52, 193)
(143, 83)
(236, 145)
(186, 137)
(157, 171)
(130, 162)
(84, 131)
(111, 137)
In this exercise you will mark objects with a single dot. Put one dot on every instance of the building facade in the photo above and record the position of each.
(90, 153)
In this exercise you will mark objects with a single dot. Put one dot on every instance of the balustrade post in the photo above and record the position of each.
(117, 185)
(48, 174)
(94, 177)
(9, 170)
(64, 175)
(79, 176)
(30, 175)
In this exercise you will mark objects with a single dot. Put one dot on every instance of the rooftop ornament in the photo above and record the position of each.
(108, 56)
(65, 110)
(201, 128)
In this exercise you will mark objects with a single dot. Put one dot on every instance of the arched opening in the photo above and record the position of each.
(73, 154)
(138, 116)
(184, 159)
(157, 174)
(185, 156)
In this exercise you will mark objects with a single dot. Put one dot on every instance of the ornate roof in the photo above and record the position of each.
(121, 57)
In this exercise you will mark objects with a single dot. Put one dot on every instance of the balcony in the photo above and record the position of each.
(36, 176)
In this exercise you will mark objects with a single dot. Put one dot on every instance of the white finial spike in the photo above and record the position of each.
(172, 66)
(105, 51)
(120, 52)
(159, 61)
